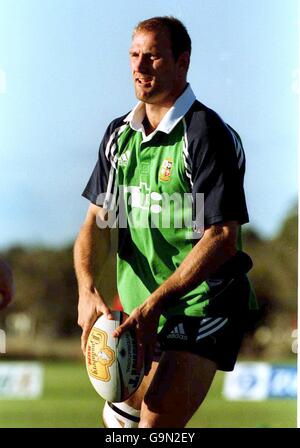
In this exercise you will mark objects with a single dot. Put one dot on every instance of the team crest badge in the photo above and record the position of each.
(99, 356)
(165, 170)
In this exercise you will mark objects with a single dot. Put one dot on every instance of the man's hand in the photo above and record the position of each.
(88, 246)
(6, 284)
(90, 306)
(144, 320)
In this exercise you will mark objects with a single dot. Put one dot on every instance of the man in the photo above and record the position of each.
(6, 284)
(194, 292)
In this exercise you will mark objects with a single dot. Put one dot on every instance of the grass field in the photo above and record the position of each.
(69, 401)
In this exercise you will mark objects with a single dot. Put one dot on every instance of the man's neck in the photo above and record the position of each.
(154, 113)
(153, 116)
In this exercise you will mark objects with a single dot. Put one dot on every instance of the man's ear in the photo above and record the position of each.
(183, 62)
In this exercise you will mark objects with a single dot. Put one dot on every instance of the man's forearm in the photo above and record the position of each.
(84, 258)
(211, 252)
(89, 248)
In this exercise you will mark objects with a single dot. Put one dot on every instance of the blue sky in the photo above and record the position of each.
(64, 75)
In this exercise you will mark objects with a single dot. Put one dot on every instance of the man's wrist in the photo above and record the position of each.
(155, 303)
(86, 288)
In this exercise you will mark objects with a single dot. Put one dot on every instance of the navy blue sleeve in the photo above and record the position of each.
(98, 183)
(218, 165)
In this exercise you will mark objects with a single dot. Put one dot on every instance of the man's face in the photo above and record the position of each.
(157, 77)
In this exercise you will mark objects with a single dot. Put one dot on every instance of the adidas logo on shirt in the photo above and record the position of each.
(124, 158)
(178, 333)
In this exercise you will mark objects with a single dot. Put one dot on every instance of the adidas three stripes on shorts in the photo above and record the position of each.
(216, 338)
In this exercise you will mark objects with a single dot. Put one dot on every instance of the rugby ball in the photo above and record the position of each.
(112, 362)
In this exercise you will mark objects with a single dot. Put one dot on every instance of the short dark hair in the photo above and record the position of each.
(180, 39)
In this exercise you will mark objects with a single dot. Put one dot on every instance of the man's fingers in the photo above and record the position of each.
(86, 331)
(126, 325)
(84, 338)
(101, 307)
(104, 310)
(120, 329)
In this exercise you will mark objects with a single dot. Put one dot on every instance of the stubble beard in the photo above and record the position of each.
(155, 95)
(144, 95)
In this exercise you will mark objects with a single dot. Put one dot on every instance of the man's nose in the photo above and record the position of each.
(141, 63)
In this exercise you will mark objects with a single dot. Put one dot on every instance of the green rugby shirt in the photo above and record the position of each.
(191, 152)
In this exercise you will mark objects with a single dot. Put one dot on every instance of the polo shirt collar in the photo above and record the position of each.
(172, 117)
